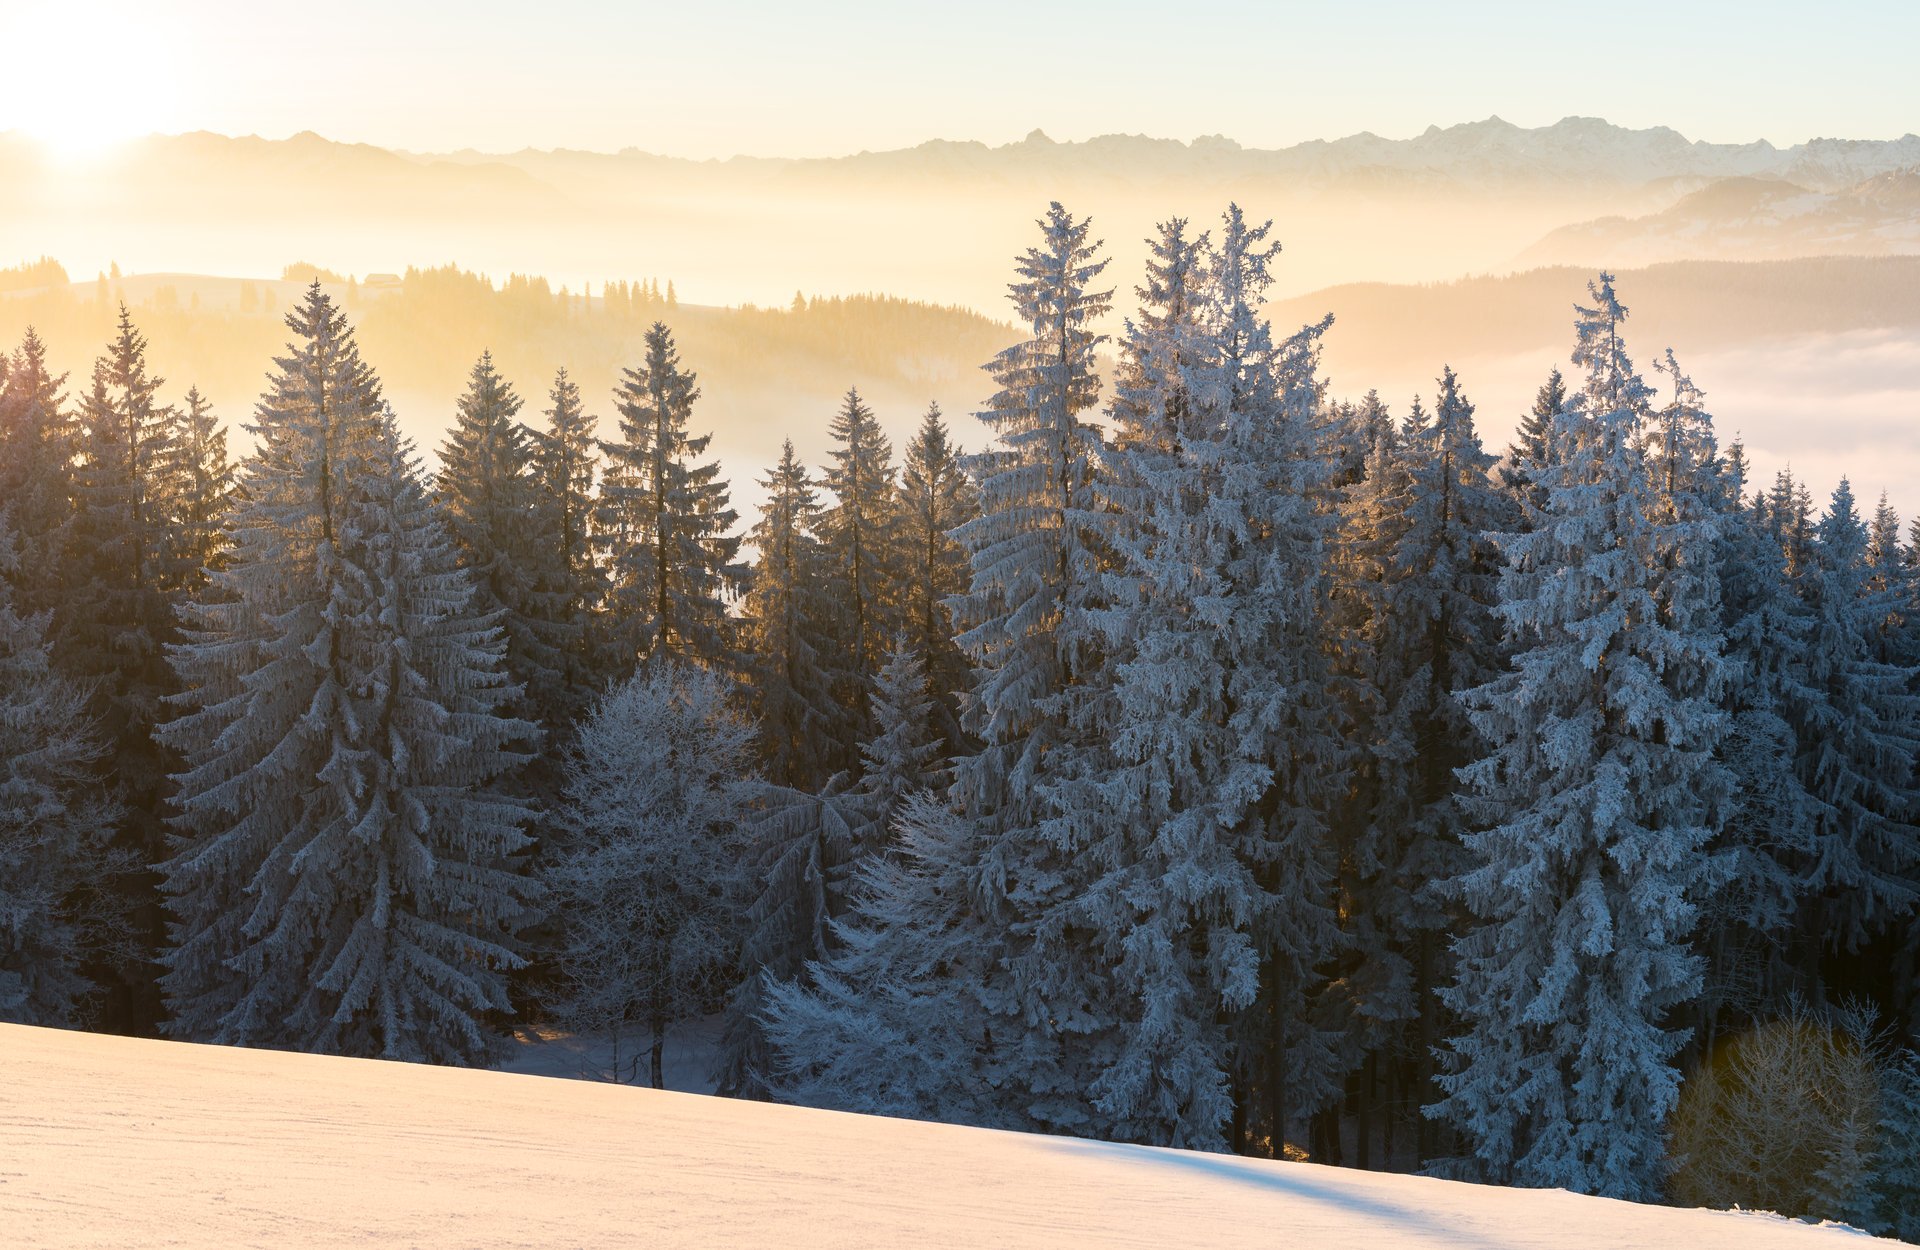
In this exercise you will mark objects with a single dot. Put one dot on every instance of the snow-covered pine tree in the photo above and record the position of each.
(648, 886)
(489, 496)
(199, 492)
(38, 443)
(1765, 838)
(571, 584)
(966, 989)
(1532, 448)
(1431, 634)
(56, 824)
(811, 850)
(343, 879)
(860, 535)
(787, 625)
(1857, 741)
(1599, 795)
(664, 522)
(936, 499)
(123, 575)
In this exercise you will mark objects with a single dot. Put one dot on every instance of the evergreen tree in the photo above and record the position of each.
(56, 825)
(664, 521)
(936, 499)
(1599, 795)
(39, 441)
(489, 496)
(1532, 450)
(343, 880)
(1857, 743)
(648, 885)
(1431, 634)
(570, 582)
(787, 622)
(965, 983)
(1211, 881)
(201, 490)
(860, 536)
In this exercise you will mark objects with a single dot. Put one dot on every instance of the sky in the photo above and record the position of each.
(714, 78)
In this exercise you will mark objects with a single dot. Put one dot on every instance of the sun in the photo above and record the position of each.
(98, 75)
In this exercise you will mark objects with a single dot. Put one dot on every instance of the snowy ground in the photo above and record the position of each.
(687, 1062)
(109, 1141)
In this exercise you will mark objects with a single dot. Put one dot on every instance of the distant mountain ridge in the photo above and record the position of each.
(1573, 148)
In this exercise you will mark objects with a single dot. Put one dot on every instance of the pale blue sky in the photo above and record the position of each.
(719, 77)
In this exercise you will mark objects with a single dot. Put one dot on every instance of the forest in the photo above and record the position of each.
(1202, 759)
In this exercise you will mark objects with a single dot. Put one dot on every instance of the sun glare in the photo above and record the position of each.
(78, 109)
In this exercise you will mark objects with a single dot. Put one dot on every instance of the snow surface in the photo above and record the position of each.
(115, 1141)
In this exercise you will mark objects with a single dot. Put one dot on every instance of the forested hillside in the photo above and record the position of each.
(1170, 751)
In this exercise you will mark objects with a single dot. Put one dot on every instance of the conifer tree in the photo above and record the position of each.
(200, 491)
(1431, 634)
(1857, 743)
(1599, 796)
(343, 880)
(1532, 449)
(936, 499)
(38, 445)
(1212, 888)
(56, 824)
(860, 536)
(965, 983)
(570, 583)
(489, 495)
(788, 610)
(664, 521)
(648, 887)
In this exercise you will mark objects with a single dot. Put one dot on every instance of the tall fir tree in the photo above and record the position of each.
(39, 441)
(200, 492)
(965, 983)
(936, 499)
(56, 825)
(1532, 449)
(343, 880)
(489, 496)
(860, 536)
(570, 584)
(1599, 796)
(1857, 742)
(788, 613)
(664, 521)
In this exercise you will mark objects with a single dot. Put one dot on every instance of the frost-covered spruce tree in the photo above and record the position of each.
(343, 878)
(1857, 742)
(664, 521)
(788, 613)
(1768, 826)
(38, 442)
(810, 852)
(571, 584)
(56, 823)
(488, 494)
(200, 491)
(1599, 796)
(860, 536)
(967, 988)
(648, 888)
(936, 498)
(1431, 634)
(1532, 448)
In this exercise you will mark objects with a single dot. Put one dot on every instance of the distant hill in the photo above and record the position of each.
(1691, 305)
(1752, 218)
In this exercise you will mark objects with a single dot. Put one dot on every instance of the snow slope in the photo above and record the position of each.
(111, 1141)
